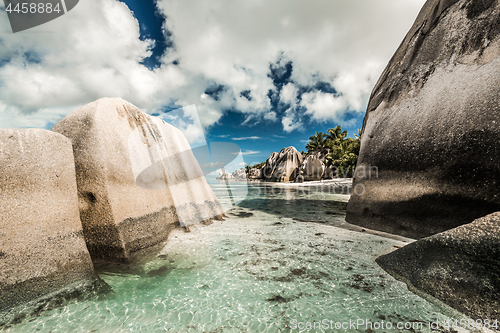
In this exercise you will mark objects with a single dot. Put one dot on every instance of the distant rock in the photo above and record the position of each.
(312, 169)
(320, 154)
(42, 249)
(240, 174)
(331, 172)
(432, 127)
(225, 176)
(137, 178)
(459, 267)
(267, 170)
(283, 167)
(254, 174)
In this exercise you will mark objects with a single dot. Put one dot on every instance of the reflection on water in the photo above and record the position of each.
(260, 270)
(309, 204)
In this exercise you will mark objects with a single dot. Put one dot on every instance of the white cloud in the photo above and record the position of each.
(188, 121)
(344, 43)
(271, 116)
(289, 94)
(250, 152)
(95, 51)
(324, 106)
(290, 121)
(247, 138)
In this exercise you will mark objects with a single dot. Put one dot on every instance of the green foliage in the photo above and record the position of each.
(335, 137)
(343, 153)
(255, 166)
(317, 141)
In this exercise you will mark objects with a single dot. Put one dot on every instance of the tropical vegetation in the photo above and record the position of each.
(342, 152)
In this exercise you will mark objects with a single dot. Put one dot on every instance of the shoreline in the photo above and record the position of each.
(343, 182)
(326, 182)
(352, 227)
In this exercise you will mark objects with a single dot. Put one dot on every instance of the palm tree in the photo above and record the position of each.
(358, 136)
(317, 141)
(335, 136)
(344, 152)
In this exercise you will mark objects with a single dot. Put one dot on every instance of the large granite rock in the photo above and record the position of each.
(42, 249)
(432, 127)
(137, 178)
(237, 175)
(283, 166)
(460, 267)
(331, 172)
(312, 169)
(267, 170)
(240, 174)
(254, 174)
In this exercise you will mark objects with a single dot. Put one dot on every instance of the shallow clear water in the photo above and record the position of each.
(263, 269)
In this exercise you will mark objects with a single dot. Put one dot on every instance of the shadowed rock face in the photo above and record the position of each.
(254, 173)
(460, 267)
(42, 248)
(267, 170)
(283, 166)
(432, 125)
(137, 178)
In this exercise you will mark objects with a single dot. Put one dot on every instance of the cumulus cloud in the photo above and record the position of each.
(289, 94)
(95, 50)
(187, 119)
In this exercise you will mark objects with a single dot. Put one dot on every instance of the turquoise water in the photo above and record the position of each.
(277, 262)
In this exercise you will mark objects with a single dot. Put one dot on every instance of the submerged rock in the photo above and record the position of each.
(42, 249)
(432, 125)
(283, 166)
(137, 178)
(460, 267)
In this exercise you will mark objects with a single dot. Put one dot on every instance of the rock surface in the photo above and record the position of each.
(254, 174)
(137, 178)
(432, 127)
(240, 174)
(312, 169)
(267, 170)
(225, 176)
(460, 267)
(42, 248)
(283, 166)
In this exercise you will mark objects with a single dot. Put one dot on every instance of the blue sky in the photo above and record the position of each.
(257, 138)
(263, 75)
